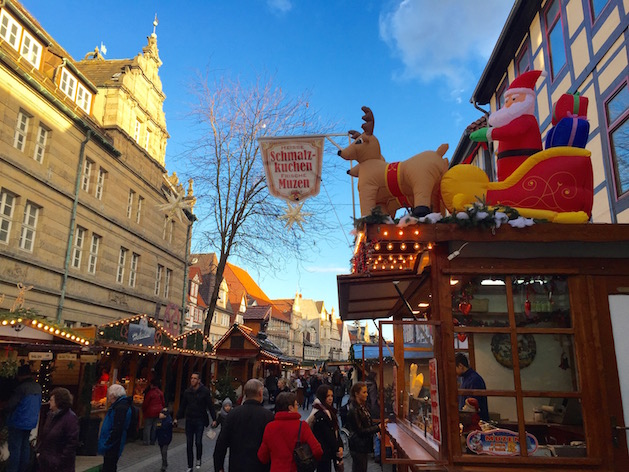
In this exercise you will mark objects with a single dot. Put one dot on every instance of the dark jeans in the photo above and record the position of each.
(194, 433)
(359, 461)
(19, 448)
(150, 430)
(110, 463)
(164, 450)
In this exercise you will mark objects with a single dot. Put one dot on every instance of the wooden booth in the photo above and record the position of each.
(137, 349)
(558, 295)
(253, 355)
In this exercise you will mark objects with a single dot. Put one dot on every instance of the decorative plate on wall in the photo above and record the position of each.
(501, 349)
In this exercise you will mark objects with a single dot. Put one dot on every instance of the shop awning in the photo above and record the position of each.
(371, 296)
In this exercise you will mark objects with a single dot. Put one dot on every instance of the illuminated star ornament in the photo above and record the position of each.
(175, 206)
(293, 214)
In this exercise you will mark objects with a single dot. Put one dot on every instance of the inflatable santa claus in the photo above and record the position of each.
(514, 126)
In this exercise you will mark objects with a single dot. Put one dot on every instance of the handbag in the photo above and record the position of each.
(302, 454)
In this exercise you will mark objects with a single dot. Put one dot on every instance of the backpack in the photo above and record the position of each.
(302, 454)
(134, 424)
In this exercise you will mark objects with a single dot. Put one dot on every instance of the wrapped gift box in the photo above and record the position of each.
(569, 132)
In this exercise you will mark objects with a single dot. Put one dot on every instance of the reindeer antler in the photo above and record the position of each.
(353, 133)
(368, 121)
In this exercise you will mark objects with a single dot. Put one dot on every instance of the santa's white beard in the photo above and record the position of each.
(506, 115)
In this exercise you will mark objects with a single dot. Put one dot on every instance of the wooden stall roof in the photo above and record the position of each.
(26, 326)
(372, 294)
(262, 347)
(115, 335)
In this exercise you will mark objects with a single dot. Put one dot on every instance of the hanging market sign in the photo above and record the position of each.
(40, 356)
(500, 442)
(293, 166)
(66, 356)
(141, 334)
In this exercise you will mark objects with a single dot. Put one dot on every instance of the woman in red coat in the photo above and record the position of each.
(151, 408)
(59, 437)
(280, 436)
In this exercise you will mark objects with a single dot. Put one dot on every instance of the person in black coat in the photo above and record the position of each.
(59, 437)
(361, 427)
(195, 403)
(242, 433)
(325, 425)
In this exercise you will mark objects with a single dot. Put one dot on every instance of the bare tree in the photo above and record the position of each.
(237, 216)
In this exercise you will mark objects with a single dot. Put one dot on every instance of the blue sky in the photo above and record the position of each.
(415, 63)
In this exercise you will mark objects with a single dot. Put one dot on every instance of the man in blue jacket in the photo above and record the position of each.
(113, 432)
(471, 380)
(23, 412)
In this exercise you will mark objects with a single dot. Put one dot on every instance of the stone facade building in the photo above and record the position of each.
(88, 214)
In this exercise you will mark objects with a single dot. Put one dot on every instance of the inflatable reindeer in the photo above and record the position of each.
(390, 186)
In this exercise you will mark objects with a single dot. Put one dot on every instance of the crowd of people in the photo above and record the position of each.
(257, 436)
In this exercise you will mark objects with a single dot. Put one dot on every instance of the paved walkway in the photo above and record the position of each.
(140, 458)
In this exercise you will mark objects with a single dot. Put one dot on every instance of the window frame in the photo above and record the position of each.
(29, 226)
(40, 143)
(158, 279)
(548, 30)
(100, 183)
(21, 130)
(10, 22)
(593, 15)
(34, 45)
(93, 257)
(77, 246)
(133, 269)
(167, 279)
(519, 392)
(130, 203)
(524, 53)
(4, 217)
(68, 83)
(83, 98)
(122, 262)
(147, 138)
(86, 175)
(500, 93)
(138, 214)
(610, 128)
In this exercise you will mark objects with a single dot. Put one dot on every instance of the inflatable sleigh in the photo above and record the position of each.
(555, 184)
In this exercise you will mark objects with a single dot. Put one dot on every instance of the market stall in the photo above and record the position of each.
(252, 356)
(555, 294)
(138, 349)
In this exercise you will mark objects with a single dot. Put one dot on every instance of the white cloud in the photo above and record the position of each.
(335, 270)
(439, 40)
(281, 6)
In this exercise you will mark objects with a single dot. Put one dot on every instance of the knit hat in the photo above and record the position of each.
(227, 401)
(524, 83)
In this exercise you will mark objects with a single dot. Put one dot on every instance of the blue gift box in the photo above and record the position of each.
(569, 132)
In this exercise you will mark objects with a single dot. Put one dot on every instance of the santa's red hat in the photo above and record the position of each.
(524, 83)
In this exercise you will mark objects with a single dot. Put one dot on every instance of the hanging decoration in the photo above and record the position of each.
(293, 166)
(293, 214)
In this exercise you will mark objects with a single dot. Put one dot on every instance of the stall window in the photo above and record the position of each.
(533, 398)
(421, 410)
